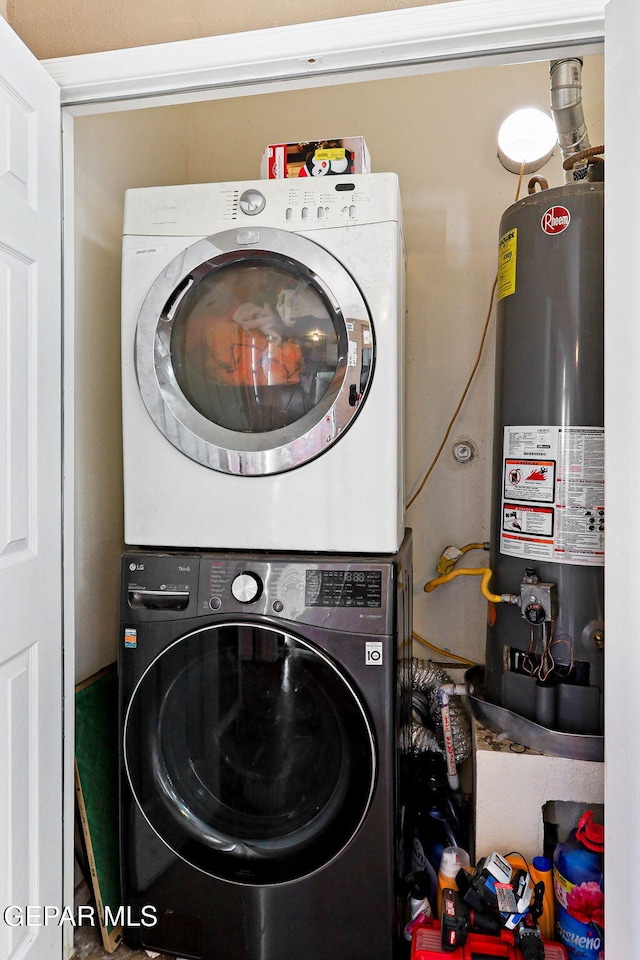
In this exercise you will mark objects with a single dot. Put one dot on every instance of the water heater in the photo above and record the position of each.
(544, 658)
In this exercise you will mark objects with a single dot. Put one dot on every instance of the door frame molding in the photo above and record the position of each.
(439, 37)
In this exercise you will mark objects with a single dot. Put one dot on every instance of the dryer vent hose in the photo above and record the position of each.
(426, 729)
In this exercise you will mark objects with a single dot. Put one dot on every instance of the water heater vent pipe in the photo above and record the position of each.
(566, 106)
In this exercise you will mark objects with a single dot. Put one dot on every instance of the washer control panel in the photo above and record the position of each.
(346, 593)
(350, 594)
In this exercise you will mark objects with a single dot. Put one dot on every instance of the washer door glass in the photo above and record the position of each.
(249, 753)
(254, 359)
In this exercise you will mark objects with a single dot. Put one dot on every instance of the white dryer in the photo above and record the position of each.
(262, 366)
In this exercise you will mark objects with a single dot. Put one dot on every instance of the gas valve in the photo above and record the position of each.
(538, 601)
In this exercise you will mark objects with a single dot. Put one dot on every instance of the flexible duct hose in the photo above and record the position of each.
(427, 678)
(423, 740)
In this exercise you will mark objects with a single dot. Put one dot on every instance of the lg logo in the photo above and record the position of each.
(373, 653)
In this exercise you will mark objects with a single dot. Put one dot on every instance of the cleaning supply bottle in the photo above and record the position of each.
(578, 881)
(453, 860)
(419, 906)
(541, 872)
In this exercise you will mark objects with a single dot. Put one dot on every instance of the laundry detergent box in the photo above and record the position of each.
(315, 158)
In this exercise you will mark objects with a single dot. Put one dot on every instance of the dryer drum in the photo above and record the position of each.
(247, 359)
(252, 366)
(259, 760)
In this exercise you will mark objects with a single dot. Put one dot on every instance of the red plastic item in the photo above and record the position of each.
(426, 944)
(590, 834)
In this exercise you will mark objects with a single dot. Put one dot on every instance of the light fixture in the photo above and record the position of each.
(527, 136)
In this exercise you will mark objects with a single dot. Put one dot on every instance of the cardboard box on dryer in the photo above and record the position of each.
(315, 158)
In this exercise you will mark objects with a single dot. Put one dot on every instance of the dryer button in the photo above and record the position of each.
(215, 603)
(277, 606)
(246, 587)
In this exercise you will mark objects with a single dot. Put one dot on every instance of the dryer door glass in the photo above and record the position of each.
(256, 344)
(254, 359)
(249, 753)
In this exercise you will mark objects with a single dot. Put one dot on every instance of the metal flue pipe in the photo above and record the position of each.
(566, 106)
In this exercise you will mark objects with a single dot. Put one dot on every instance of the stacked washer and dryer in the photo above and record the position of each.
(266, 608)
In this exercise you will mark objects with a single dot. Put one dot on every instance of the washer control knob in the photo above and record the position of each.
(252, 202)
(246, 587)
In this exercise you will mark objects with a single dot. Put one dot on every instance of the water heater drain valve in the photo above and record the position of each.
(538, 600)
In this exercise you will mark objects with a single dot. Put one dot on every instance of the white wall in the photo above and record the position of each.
(113, 152)
(438, 132)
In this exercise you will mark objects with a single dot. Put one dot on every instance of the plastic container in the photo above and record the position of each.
(419, 905)
(427, 945)
(453, 860)
(541, 870)
(578, 882)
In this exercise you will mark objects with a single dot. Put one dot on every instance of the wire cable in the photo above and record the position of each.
(462, 398)
(444, 653)
(471, 375)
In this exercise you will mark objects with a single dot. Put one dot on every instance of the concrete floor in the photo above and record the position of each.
(88, 946)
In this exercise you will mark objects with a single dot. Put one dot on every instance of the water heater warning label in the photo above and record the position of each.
(530, 480)
(507, 250)
(535, 521)
(553, 494)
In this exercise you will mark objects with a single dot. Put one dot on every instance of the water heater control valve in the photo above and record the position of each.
(538, 601)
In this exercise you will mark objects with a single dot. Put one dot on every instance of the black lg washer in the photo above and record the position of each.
(264, 704)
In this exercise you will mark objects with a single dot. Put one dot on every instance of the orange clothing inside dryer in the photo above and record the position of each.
(235, 356)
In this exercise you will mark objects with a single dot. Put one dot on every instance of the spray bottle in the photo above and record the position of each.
(453, 860)
(419, 906)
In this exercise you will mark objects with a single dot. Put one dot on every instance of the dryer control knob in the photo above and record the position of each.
(246, 587)
(252, 202)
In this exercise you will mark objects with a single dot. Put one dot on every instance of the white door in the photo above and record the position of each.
(30, 507)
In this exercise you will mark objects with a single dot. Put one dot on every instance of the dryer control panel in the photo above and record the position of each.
(193, 210)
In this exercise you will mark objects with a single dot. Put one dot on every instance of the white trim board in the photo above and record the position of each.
(371, 46)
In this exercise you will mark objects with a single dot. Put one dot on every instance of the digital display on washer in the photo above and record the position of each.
(343, 588)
